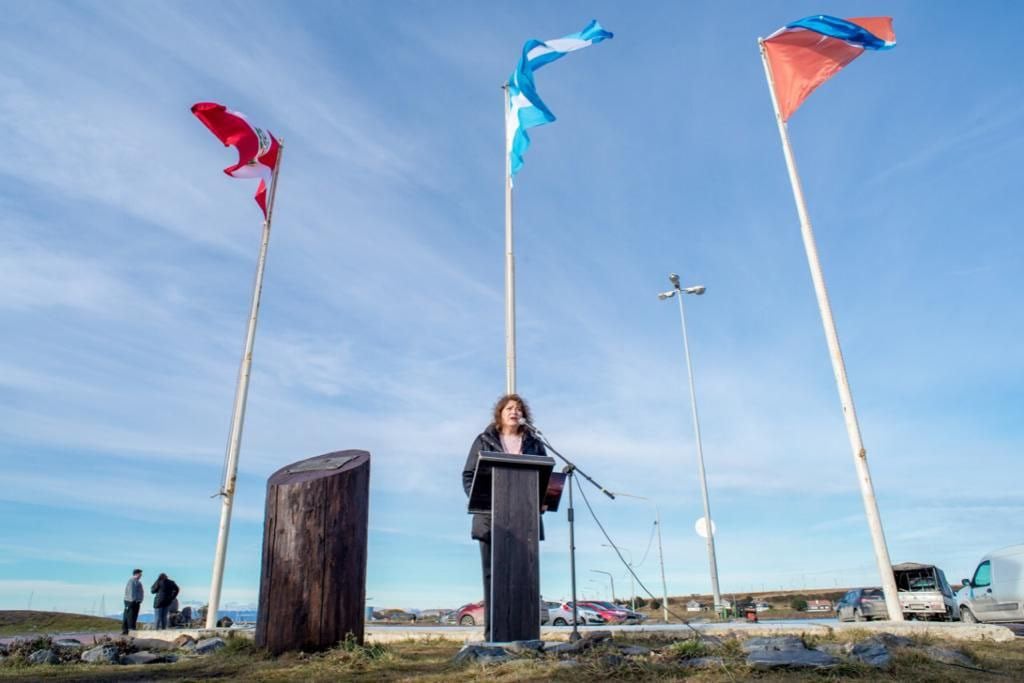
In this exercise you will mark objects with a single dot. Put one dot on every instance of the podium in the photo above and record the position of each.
(512, 489)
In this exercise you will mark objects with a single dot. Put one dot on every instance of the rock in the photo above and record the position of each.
(43, 657)
(102, 654)
(152, 644)
(597, 636)
(182, 640)
(190, 646)
(224, 622)
(481, 654)
(791, 659)
(872, 652)
(144, 657)
(611, 660)
(703, 663)
(785, 652)
(208, 645)
(68, 643)
(520, 646)
(634, 650)
(773, 643)
(947, 655)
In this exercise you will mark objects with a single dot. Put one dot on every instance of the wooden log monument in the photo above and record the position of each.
(313, 578)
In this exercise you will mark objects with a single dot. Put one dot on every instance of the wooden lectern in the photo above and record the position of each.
(511, 488)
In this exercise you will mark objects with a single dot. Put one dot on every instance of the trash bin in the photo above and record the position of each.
(751, 614)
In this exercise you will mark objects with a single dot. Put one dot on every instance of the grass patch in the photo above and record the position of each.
(430, 661)
(689, 649)
(22, 622)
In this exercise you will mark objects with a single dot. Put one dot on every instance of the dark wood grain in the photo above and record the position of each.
(313, 577)
(514, 603)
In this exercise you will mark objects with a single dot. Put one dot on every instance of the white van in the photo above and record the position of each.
(996, 591)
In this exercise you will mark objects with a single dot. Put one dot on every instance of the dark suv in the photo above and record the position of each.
(862, 604)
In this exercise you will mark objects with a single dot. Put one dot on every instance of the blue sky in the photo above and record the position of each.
(126, 261)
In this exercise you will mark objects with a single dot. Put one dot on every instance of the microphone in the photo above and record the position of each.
(523, 422)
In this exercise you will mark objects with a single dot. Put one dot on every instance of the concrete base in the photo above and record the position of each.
(169, 634)
(944, 631)
(471, 634)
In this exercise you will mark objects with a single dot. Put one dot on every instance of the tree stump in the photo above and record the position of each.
(313, 577)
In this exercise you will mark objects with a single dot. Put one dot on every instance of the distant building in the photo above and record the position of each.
(694, 606)
(762, 606)
(819, 605)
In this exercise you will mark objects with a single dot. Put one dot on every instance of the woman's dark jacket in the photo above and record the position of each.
(489, 440)
(166, 590)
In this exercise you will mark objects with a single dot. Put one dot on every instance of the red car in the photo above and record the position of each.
(471, 614)
(612, 615)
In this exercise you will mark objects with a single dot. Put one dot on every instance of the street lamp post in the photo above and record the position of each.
(611, 580)
(632, 585)
(712, 562)
(661, 556)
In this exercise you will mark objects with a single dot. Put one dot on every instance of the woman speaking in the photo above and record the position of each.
(505, 434)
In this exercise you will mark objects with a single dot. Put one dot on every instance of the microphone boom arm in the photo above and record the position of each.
(569, 465)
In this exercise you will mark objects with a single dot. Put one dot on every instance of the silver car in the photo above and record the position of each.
(862, 604)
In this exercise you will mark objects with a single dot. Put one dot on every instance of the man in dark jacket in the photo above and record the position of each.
(503, 435)
(166, 591)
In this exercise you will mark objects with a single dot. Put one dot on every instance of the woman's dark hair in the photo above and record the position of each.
(504, 401)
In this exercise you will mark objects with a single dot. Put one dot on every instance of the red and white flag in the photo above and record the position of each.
(257, 148)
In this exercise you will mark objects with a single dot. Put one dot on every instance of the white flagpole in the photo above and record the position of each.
(227, 492)
(510, 265)
(860, 456)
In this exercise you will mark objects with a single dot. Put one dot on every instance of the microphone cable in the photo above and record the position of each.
(646, 590)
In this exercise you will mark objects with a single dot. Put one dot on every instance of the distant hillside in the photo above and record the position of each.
(24, 622)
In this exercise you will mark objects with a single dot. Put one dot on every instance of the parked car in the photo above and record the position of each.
(473, 614)
(586, 613)
(627, 616)
(862, 604)
(924, 592)
(996, 590)
(611, 615)
(632, 616)
(561, 615)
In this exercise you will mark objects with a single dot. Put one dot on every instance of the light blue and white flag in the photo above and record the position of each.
(525, 108)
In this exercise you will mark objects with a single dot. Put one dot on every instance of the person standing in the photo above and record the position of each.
(165, 591)
(505, 434)
(133, 596)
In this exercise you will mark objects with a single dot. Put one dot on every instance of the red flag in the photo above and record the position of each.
(257, 148)
(808, 52)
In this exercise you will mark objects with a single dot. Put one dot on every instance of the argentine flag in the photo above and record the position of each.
(525, 108)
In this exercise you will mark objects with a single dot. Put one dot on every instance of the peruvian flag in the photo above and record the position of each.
(257, 148)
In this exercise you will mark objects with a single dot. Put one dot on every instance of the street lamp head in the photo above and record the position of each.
(696, 289)
(667, 295)
(674, 279)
